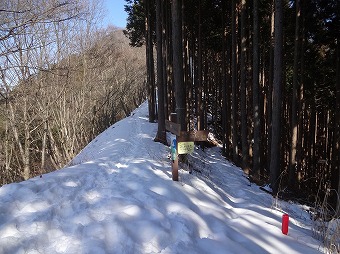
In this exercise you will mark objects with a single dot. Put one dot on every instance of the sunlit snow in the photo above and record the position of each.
(117, 196)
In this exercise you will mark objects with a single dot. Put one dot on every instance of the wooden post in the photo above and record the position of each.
(175, 165)
(174, 159)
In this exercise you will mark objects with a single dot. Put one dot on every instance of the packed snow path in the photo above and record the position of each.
(117, 196)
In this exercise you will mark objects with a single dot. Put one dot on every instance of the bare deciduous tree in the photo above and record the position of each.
(62, 82)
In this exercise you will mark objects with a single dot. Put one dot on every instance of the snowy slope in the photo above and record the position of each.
(118, 197)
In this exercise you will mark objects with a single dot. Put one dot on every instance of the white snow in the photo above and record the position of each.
(117, 196)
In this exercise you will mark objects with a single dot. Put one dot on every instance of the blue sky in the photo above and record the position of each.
(115, 13)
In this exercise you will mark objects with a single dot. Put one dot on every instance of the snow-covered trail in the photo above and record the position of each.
(118, 197)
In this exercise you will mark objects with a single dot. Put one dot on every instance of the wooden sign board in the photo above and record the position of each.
(187, 136)
(174, 128)
(186, 147)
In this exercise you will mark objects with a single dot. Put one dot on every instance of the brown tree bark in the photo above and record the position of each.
(234, 81)
(294, 103)
(225, 97)
(336, 147)
(150, 63)
(244, 127)
(161, 133)
(178, 62)
(256, 91)
(277, 98)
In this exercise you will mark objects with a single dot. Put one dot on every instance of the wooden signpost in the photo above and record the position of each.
(183, 144)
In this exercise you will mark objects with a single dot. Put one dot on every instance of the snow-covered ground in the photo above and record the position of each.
(117, 196)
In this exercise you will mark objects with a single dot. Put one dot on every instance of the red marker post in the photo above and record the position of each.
(285, 223)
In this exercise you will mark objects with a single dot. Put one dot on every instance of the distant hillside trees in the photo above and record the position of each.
(62, 82)
(267, 89)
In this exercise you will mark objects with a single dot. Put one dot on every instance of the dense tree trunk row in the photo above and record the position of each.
(261, 75)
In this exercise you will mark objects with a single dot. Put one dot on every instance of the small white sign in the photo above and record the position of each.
(185, 147)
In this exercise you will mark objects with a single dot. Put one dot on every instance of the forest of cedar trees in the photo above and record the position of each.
(263, 76)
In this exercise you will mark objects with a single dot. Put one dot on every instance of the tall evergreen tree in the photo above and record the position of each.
(161, 133)
(277, 97)
(294, 105)
(234, 81)
(244, 126)
(139, 30)
(178, 62)
(256, 102)
(336, 159)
